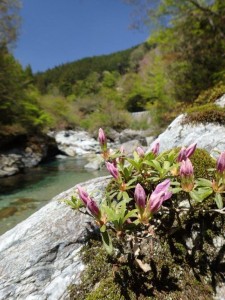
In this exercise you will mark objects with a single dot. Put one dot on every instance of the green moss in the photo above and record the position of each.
(176, 271)
(211, 95)
(202, 162)
(208, 113)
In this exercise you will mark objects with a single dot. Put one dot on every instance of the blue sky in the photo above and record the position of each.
(58, 31)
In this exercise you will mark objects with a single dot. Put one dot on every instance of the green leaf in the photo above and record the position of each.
(155, 164)
(131, 181)
(103, 228)
(203, 182)
(136, 156)
(176, 190)
(194, 195)
(130, 214)
(219, 201)
(126, 197)
(201, 194)
(119, 195)
(166, 165)
(107, 242)
(126, 173)
(133, 163)
(111, 214)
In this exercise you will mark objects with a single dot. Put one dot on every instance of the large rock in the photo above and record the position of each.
(76, 142)
(40, 256)
(130, 134)
(26, 154)
(207, 136)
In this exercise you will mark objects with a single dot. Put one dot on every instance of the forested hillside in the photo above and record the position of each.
(181, 65)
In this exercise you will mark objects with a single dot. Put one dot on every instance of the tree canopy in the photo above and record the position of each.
(9, 21)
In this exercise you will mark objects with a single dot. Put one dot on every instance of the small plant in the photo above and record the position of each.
(146, 188)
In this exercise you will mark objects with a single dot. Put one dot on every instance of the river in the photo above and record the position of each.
(23, 194)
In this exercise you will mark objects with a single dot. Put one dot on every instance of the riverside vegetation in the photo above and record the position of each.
(159, 225)
(183, 60)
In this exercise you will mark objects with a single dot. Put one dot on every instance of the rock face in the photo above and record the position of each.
(207, 136)
(40, 256)
(129, 135)
(74, 143)
(26, 155)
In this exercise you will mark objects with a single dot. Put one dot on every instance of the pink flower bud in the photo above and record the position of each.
(185, 153)
(155, 147)
(220, 164)
(93, 208)
(191, 149)
(112, 170)
(140, 152)
(140, 196)
(102, 138)
(159, 195)
(163, 186)
(83, 195)
(182, 155)
(186, 168)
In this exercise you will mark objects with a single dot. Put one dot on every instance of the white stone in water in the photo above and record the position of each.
(76, 142)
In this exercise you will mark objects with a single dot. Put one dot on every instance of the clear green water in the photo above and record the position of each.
(23, 194)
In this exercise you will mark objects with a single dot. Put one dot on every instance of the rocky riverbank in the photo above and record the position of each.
(19, 153)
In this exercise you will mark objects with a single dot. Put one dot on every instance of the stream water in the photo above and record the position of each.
(23, 194)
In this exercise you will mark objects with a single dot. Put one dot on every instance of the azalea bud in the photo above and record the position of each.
(159, 195)
(220, 164)
(140, 196)
(186, 168)
(155, 147)
(112, 170)
(163, 186)
(102, 138)
(187, 175)
(140, 152)
(83, 195)
(191, 149)
(182, 155)
(185, 153)
(93, 208)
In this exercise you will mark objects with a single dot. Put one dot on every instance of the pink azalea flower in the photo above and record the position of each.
(155, 147)
(140, 196)
(220, 164)
(159, 195)
(185, 153)
(186, 168)
(102, 138)
(112, 170)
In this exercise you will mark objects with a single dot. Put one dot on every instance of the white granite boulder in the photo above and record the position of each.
(40, 256)
(207, 136)
(76, 142)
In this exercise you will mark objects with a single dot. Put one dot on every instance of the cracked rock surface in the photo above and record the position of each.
(39, 258)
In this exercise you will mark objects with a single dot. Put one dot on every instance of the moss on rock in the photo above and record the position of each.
(207, 113)
(185, 264)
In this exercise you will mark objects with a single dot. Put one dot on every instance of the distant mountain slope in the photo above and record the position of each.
(80, 69)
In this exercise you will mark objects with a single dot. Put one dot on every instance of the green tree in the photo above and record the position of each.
(9, 21)
(191, 38)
